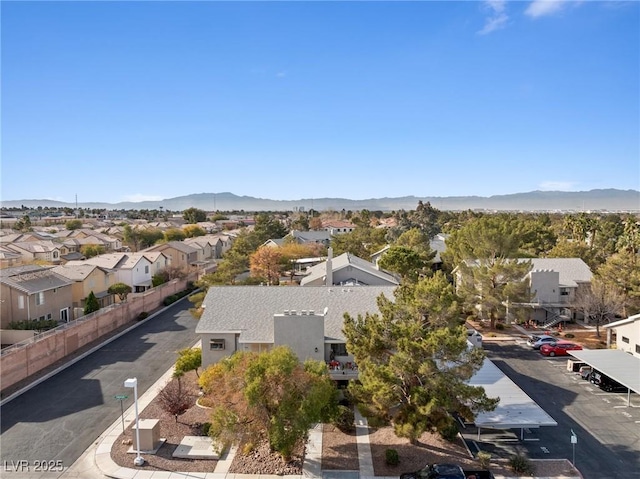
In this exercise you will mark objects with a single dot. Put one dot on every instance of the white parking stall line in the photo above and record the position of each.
(544, 449)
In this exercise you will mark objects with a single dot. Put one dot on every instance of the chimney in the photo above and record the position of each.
(329, 268)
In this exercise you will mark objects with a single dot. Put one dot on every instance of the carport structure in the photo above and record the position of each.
(516, 410)
(620, 366)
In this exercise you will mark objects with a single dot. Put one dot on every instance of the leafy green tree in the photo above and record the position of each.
(193, 231)
(433, 299)
(494, 236)
(23, 224)
(189, 359)
(621, 272)
(415, 239)
(73, 225)
(194, 215)
(121, 289)
(91, 304)
(575, 249)
(411, 374)
(536, 235)
(629, 239)
(268, 396)
(361, 242)
(268, 227)
(174, 234)
(408, 263)
(149, 237)
(488, 275)
(488, 285)
(91, 250)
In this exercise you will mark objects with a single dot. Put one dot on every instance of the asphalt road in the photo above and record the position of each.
(60, 418)
(608, 432)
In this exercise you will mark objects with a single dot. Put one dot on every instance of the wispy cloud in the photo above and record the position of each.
(281, 74)
(557, 186)
(540, 8)
(496, 16)
(140, 197)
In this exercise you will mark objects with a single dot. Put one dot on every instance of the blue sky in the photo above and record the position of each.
(127, 101)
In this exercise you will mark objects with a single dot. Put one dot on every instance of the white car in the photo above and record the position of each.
(536, 341)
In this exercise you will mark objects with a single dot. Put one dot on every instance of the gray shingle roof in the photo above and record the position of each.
(250, 309)
(34, 280)
(343, 261)
(572, 270)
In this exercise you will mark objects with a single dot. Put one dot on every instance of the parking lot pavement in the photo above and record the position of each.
(607, 431)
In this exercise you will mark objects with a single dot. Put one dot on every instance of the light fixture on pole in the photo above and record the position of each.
(133, 383)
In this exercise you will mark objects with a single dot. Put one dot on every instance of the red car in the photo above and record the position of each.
(559, 349)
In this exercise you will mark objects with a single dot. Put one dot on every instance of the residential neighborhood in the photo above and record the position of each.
(325, 295)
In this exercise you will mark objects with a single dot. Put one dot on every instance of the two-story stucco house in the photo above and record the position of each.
(133, 269)
(308, 320)
(34, 292)
(45, 250)
(182, 256)
(337, 227)
(87, 278)
(553, 284)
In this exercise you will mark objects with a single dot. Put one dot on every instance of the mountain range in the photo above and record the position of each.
(613, 200)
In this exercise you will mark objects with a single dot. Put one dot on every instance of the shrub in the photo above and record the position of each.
(205, 428)
(484, 458)
(143, 315)
(344, 419)
(449, 432)
(569, 335)
(247, 448)
(391, 457)
(170, 300)
(499, 326)
(34, 324)
(522, 465)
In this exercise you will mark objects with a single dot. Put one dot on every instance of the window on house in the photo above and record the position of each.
(638, 348)
(339, 349)
(20, 302)
(40, 298)
(625, 339)
(564, 292)
(146, 270)
(55, 255)
(41, 318)
(49, 316)
(216, 344)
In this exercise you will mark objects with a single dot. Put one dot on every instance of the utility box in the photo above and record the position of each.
(149, 435)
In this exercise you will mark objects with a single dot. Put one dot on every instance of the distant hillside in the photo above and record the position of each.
(601, 200)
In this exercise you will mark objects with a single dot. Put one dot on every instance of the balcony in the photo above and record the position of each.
(342, 371)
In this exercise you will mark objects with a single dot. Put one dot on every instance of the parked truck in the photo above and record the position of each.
(446, 471)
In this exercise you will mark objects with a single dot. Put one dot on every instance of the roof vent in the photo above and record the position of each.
(312, 312)
(293, 311)
(286, 312)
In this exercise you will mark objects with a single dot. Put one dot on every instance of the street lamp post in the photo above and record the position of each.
(133, 383)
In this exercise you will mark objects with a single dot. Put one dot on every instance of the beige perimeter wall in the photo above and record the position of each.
(17, 363)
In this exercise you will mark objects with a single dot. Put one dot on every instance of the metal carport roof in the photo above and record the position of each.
(618, 365)
(515, 409)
